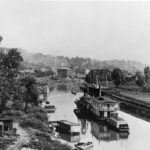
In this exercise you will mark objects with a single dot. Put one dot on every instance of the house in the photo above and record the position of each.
(6, 124)
(64, 72)
(80, 73)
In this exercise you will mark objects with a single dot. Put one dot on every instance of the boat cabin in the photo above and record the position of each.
(103, 107)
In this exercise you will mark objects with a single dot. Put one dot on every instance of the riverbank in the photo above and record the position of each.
(137, 98)
(33, 133)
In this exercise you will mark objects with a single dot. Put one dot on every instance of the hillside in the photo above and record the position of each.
(40, 59)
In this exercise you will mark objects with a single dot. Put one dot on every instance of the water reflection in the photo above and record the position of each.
(102, 137)
(59, 88)
(84, 126)
(100, 130)
(70, 138)
(62, 87)
(104, 133)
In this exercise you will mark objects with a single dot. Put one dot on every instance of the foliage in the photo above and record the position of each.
(34, 123)
(138, 74)
(30, 90)
(38, 113)
(147, 73)
(9, 66)
(117, 76)
(44, 142)
(39, 73)
(140, 81)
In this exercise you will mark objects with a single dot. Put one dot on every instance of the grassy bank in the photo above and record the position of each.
(36, 123)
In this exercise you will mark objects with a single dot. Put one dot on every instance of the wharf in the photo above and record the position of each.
(126, 98)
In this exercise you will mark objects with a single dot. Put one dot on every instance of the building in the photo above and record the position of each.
(6, 124)
(64, 72)
(80, 73)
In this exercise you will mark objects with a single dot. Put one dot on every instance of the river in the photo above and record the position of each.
(102, 137)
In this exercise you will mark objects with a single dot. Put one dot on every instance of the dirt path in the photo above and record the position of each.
(24, 138)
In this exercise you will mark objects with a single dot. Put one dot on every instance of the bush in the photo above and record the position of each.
(35, 123)
(18, 105)
(38, 113)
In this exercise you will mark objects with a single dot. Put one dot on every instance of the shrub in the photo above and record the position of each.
(34, 123)
(38, 113)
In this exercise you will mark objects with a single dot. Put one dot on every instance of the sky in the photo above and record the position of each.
(97, 29)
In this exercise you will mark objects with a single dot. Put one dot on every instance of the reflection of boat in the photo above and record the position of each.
(104, 133)
(84, 145)
(70, 137)
(118, 123)
(65, 126)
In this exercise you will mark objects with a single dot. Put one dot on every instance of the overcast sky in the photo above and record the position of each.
(101, 30)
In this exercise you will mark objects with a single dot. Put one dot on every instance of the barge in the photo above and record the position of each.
(118, 123)
(65, 126)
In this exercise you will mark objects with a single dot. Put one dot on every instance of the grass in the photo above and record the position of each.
(30, 122)
(44, 142)
(38, 113)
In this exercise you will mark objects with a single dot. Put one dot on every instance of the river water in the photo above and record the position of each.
(102, 136)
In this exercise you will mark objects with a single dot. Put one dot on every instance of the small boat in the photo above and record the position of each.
(84, 145)
(119, 124)
(50, 108)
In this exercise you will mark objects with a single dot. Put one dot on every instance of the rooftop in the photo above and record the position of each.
(105, 100)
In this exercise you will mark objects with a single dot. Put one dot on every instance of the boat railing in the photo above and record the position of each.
(109, 109)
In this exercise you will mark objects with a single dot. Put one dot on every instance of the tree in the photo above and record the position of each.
(117, 76)
(140, 81)
(30, 90)
(9, 66)
(147, 73)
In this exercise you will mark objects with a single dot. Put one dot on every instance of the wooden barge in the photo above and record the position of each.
(65, 126)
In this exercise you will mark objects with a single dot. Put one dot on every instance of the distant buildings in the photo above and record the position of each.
(28, 71)
(65, 72)
(81, 73)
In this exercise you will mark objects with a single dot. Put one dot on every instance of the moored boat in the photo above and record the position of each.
(118, 123)
(50, 108)
(84, 145)
(68, 127)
